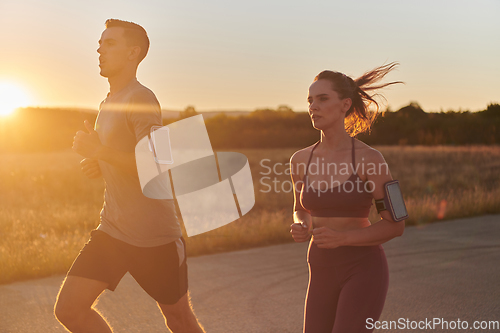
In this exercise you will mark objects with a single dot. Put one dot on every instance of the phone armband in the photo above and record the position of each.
(393, 201)
(159, 144)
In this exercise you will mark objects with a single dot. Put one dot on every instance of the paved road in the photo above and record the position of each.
(446, 270)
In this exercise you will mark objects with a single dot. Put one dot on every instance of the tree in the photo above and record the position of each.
(492, 111)
(284, 108)
(189, 111)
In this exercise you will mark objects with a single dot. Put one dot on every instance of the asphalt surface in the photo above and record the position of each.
(442, 271)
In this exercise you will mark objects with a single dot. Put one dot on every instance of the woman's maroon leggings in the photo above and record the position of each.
(347, 285)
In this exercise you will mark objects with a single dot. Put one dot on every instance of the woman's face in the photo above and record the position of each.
(325, 105)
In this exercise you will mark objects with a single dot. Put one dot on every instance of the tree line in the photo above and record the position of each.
(46, 129)
(409, 125)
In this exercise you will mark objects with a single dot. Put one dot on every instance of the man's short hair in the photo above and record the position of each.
(134, 34)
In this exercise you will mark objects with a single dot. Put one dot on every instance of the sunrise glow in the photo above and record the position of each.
(11, 97)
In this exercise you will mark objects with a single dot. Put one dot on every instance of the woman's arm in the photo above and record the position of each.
(302, 221)
(378, 233)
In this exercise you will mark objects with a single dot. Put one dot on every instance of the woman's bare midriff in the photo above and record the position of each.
(341, 223)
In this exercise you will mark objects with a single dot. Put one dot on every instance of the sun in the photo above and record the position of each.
(11, 97)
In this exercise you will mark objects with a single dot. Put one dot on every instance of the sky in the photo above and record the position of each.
(244, 55)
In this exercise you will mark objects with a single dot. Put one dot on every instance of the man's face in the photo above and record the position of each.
(113, 52)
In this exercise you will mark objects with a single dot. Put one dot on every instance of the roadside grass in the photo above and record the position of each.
(48, 208)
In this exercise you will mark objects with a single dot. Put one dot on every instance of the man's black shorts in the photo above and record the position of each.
(161, 270)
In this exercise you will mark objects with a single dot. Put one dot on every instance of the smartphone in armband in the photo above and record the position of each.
(159, 144)
(393, 201)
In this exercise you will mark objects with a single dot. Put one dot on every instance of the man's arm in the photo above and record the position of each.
(89, 145)
(90, 168)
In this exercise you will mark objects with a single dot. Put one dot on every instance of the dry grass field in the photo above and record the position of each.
(47, 207)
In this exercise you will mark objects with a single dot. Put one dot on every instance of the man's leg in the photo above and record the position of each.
(162, 272)
(180, 318)
(74, 303)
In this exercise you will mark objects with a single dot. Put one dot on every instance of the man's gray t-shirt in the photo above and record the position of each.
(124, 118)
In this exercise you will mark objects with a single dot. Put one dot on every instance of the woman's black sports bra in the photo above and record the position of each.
(349, 199)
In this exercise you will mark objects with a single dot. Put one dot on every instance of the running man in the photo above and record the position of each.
(136, 234)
